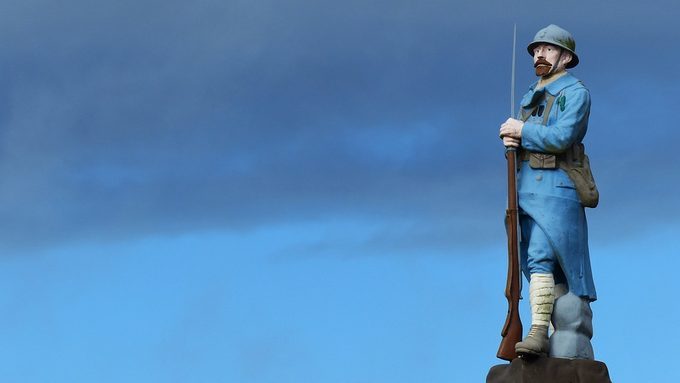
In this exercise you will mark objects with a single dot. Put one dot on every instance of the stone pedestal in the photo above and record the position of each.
(573, 321)
(553, 370)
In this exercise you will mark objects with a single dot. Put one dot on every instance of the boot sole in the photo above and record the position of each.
(527, 353)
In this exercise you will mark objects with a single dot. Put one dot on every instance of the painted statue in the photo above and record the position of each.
(554, 184)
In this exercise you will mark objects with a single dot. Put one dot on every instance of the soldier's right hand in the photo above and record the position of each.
(511, 142)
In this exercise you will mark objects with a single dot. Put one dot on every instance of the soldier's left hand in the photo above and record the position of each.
(511, 128)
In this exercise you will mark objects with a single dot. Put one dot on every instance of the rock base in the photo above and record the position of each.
(553, 370)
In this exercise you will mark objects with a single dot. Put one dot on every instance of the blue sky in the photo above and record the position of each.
(292, 191)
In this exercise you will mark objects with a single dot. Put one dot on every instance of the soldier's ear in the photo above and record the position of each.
(567, 57)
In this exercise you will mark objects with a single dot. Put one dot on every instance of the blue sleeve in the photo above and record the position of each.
(565, 126)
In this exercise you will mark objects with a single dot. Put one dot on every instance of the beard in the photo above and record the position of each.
(542, 67)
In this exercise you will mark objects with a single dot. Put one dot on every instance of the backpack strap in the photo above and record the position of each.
(550, 100)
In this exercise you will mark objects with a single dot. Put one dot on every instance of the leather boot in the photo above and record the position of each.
(536, 342)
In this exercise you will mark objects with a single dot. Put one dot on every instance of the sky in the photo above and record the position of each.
(311, 191)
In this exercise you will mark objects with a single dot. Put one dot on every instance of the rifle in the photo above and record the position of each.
(512, 329)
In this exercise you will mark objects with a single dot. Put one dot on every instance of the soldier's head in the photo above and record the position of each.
(553, 50)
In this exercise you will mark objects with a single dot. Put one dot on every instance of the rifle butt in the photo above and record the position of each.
(511, 335)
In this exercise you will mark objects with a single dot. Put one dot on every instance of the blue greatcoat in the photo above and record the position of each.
(548, 196)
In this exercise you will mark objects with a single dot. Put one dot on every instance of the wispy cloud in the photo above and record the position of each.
(177, 117)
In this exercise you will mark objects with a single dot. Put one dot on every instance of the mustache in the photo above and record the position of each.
(542, 61)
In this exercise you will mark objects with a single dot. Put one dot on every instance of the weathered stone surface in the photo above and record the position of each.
(549, 370)
(573, 321)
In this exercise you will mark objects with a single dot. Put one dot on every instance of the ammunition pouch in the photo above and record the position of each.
(575, 163)
(542, 161)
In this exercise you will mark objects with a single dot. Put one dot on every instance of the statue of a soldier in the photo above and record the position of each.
(554, 184)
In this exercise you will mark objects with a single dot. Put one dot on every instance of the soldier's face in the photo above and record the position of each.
(547, 56)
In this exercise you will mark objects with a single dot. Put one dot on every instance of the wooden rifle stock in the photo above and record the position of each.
(512, 330)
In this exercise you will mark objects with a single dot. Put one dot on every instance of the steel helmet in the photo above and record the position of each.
(552, 34)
